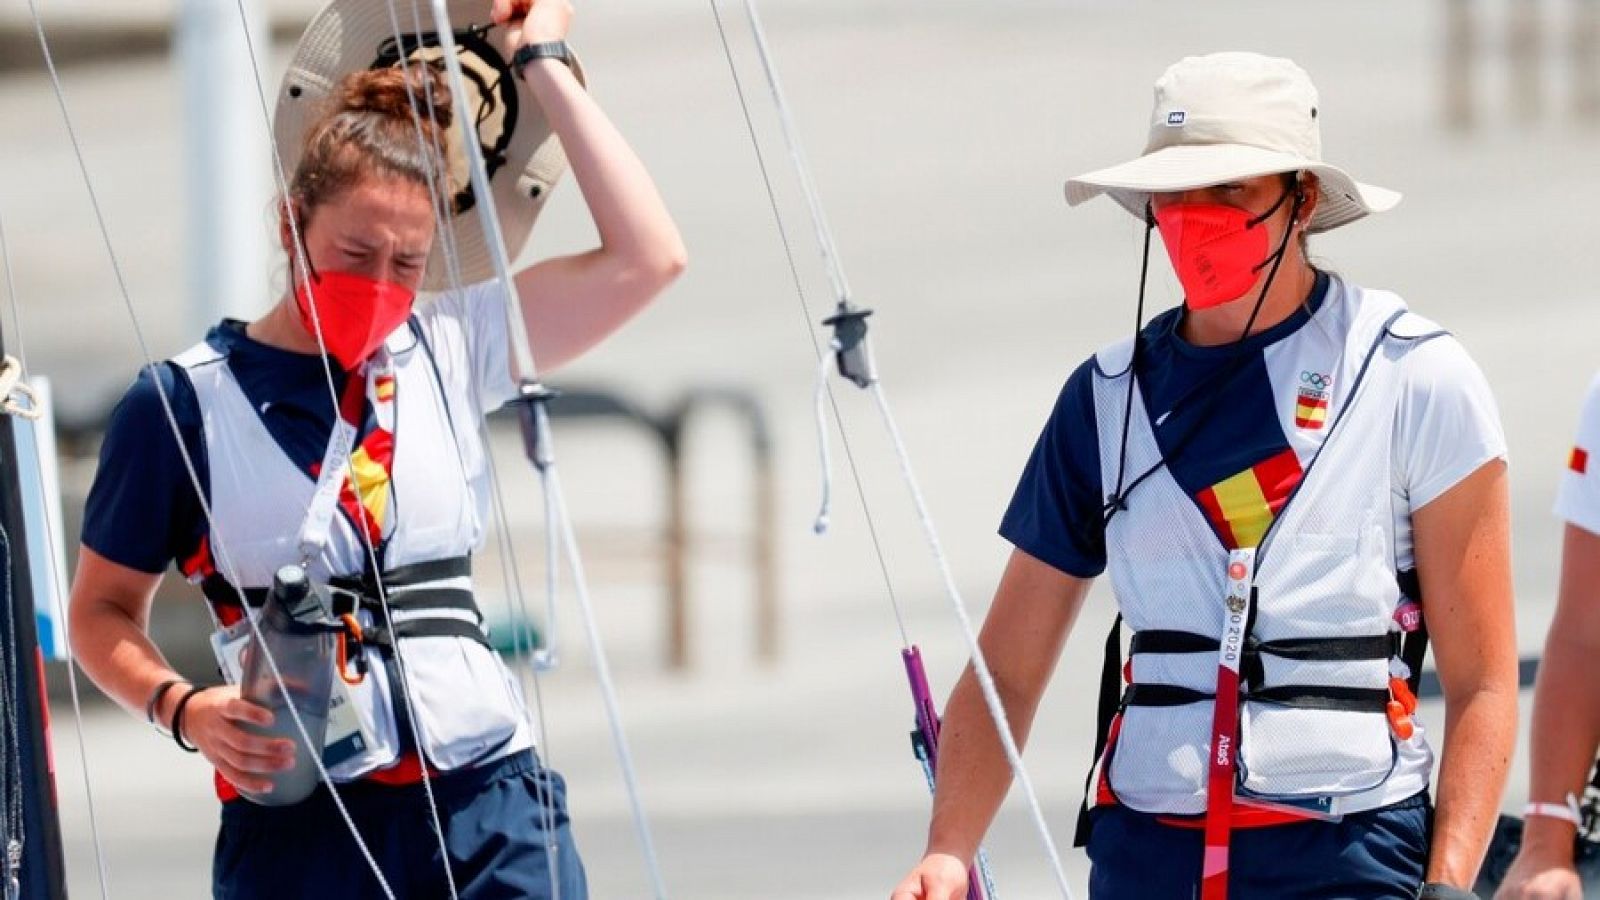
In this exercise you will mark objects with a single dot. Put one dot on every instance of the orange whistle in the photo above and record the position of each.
(352, 632)
(1400, 720)
(1399, 690)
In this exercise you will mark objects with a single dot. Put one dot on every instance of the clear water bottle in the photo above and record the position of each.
(294, 625)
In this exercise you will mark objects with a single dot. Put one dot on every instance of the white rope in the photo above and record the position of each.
(224, 560)
(546, 658)
(51, 552)
(537, 660)
(607, 688)
(374, 564)
(835, 268)
(822, 355)
(825, 457)
(980, 666)
(523, 354)
(791, 137)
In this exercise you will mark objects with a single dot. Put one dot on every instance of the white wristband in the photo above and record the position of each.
(1566, 812)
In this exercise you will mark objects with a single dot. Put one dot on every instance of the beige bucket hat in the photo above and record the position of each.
(524, 157)
(1228, 116)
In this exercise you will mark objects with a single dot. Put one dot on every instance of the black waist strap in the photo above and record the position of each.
(1300, 696)
(434, 626)
(417, 599)
(218, 590)
(1251, 671)
(350, 592)
(404, 576)
(1332, 649)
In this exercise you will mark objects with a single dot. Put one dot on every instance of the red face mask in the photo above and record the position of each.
(356, 313)
(1216, 250)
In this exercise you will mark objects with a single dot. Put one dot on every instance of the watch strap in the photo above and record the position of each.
(527, 53)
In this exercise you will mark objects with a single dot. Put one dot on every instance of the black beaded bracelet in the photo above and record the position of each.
(154, 704)
(177, 718)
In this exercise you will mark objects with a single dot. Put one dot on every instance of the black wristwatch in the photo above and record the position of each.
(527, 53)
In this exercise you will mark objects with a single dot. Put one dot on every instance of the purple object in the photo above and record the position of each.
(928, 730)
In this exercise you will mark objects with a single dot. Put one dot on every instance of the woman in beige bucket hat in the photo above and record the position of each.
(428, 739)
(1285, 477)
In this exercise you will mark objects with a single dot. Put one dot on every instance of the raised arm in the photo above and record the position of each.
(573, 302)
(1463, 551)
(1033, 611)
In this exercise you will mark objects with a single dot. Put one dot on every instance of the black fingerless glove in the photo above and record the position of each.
(1436, 891)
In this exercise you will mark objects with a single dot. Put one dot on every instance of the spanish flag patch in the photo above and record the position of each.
(1242, 507)
(1579, 461)
(1310, 410)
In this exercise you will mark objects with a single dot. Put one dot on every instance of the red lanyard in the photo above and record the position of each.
(1225, 724)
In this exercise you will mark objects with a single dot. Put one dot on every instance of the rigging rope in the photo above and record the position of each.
(866, 378)
(224, 560)
(11, 769)
(375, 566)
(539, 659)
(816, 344)
(52, 553)
(536, 399)
(523, 353)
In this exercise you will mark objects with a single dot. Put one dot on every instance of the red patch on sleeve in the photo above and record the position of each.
(1579, 461)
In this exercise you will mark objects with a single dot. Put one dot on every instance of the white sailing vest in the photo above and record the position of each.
(468, 707)
(1313, 731)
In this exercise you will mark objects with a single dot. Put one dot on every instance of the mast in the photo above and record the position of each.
(42, 872)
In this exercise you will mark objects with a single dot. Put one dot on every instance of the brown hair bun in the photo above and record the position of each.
(393, 91)
(369, 129)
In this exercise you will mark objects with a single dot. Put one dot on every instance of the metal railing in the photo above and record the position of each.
(668, 430)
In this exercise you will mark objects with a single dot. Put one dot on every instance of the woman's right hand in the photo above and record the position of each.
(213, 722)
(532, 21)
(1535, 875)
(939, 876)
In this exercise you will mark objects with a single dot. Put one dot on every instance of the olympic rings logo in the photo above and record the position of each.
(1320, 382)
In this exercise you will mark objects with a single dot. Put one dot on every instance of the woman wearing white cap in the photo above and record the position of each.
(1281, 476)
(428, 721)
(1566, 718)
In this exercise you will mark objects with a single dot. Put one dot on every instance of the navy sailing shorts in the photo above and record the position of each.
(494, 819)
(1375, 855)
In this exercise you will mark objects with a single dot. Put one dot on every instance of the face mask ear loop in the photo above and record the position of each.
(305, 253)
(1274, 207)
(1118, 499)
(1277, 261)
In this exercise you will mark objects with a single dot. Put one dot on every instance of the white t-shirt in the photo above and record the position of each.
(468, 335)
(1578, 499)
(470, 338)
(1446, 427)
